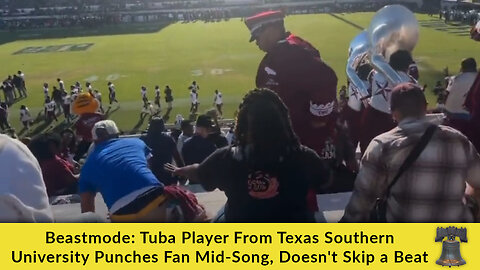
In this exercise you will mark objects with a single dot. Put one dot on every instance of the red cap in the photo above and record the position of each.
(257, 21)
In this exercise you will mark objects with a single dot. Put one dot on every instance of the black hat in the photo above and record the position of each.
(205, 121)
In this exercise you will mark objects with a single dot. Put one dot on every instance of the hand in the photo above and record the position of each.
(174, 170)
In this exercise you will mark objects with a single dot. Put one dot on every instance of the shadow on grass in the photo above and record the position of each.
(78, 31)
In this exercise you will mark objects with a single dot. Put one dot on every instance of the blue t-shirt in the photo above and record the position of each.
(116, 168)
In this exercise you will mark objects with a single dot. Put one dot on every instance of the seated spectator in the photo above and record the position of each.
(23, 197)
(432, 188)
(198, 147)
(164, 150)
(265, 180)
(118, 169)
(58, 174)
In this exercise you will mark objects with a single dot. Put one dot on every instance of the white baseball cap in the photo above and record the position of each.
(108, 125)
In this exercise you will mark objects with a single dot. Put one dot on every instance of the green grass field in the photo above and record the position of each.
(216, 55)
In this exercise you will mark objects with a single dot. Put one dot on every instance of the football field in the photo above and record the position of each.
(217, 55)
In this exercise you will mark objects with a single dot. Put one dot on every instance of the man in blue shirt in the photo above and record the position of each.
(118, 169)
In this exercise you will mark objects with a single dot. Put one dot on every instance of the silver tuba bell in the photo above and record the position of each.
(392, 28)
(358, 50)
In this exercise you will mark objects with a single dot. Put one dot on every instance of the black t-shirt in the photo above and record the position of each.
(256, 195)
(162, 147)
(196, 149)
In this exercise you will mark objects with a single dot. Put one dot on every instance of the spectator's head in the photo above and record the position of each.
(267, 28)
(408, 100)
(58, 79)
(194, 82)
(47, 100)
(157, 87)
(263, 124)
(96, 91)
(156, 127)
(87, 84)
(68, 137)
(23, 107)
(401, 60)
(216, 91)
(203, 125)
(54, 88)
(105, 130)
(45, 146)
(109, 83)
(469, 65)
(77, 84)
(187, 128)
(72, 87)
(19, 72)
(144, 88)
(45, 84)
(167, 87)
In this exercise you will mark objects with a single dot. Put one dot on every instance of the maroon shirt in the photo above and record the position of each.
(307, 85)
(85, 124)
(57, 175)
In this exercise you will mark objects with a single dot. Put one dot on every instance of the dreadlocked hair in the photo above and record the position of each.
(263, 123)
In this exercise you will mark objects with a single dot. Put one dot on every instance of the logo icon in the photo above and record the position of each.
(451, 247)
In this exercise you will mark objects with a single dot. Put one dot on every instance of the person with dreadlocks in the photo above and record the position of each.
(264, 180)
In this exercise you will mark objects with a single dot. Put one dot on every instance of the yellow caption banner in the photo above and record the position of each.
(229, 246)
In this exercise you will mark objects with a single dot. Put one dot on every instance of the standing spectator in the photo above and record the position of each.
(198, 147)
(432, 187)
(58, 99)
(264, 180)
(118, 169)
(187, 132)
(25, 117)
(218, 102)
(4, 116)
(457, 92)
(58, 174)
(23, 196)
(164, 151)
